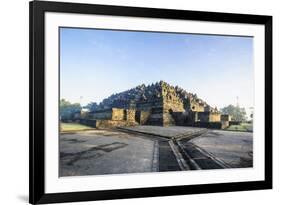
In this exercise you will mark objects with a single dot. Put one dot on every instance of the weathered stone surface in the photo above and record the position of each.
(108, 114)
(234, 148)
(209, 116)
(155, 104)
(107, 123)
(99, 152)
(146, 97)
(224, 124)
(225, 118)
(105, 151)
(130, 115)
(101, 114)
(142, 116)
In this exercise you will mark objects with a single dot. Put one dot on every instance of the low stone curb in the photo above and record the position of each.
(180, 136)
(75, 131)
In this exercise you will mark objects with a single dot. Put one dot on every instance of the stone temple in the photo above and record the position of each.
(157, 104)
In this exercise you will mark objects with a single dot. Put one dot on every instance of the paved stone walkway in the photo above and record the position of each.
(99, 152)
(233, 148)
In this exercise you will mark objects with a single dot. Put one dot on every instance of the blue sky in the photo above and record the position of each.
(98, 63)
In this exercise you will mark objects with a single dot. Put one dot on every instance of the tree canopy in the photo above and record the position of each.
(237, 113)
(92, 106)
(68, 109)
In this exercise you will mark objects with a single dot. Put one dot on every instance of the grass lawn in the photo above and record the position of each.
(244, 127)
(67, 127)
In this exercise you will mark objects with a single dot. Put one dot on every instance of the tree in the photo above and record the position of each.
(252, 114)
(237, 113)
(92, 106)
(68, 111)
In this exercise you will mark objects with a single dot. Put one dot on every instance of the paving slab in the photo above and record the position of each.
(232, 148)
(99, 152)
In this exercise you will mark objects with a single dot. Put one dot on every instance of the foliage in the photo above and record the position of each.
(245, 127)
(69, 111)
(92, 106)
(237, 113)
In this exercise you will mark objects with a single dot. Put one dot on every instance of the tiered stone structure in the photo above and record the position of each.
(157, 104)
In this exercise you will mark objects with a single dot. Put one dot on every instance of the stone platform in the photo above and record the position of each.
(170, 132)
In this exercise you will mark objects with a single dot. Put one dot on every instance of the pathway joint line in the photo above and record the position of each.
(182, 163)
(194, 164)
(211, 156)
(155, 161)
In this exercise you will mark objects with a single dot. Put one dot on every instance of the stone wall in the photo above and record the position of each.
(225, 124)
(210, 125)
(113, 123)
(130, 115)
(215, 117)
(142, 116)
(209, 117)
(150, 112)
(113, 117)
(203, 116)
(155, 117)
(183, 118)
(88, 122)
(172, 106)
(108, 114)
(161, 115)
(196, 106)
(118, 114)
(106, 123)
(148, 105)
(168, 120)
(225, 118)
(103, 114)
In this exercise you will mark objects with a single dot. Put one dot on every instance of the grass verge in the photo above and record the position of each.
(243, 127)
(73, 127)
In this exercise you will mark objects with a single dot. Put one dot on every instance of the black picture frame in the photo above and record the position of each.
(37, 9)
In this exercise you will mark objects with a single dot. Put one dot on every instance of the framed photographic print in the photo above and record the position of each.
(140, 102)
